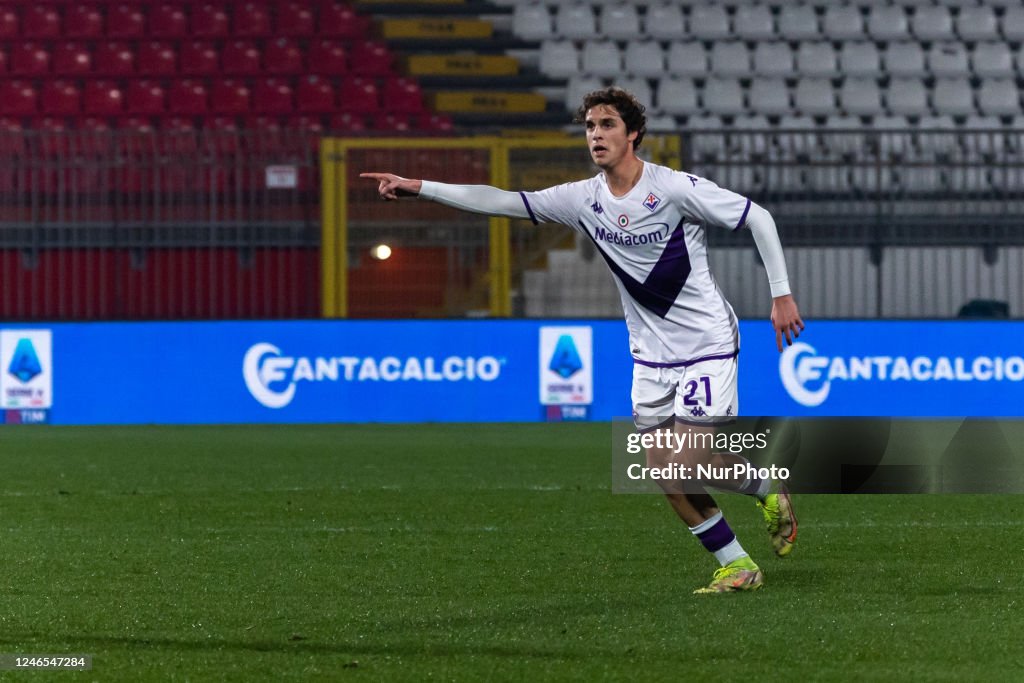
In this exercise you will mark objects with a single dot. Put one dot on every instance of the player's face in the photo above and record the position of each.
(607, 138)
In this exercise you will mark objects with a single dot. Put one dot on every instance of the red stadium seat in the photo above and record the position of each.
(436, 123)
(402, 96)
(198, 58)
(251, 20)
(306, 123)
(294, 19)
(94, 139)
(113, 59)
(180, 138)
(187, 97)
(156, 58)
(17, 98)
(265, 135)
(347, 122)
(282, 57)
(54, 142)
(83, 21)
(327, 57)
(3, 61)
(29, 59)
(241, 58)
(60, 98)
(272, 96)
(341, 21)
(71, 59)
(125, 21)
(146, 98)
(315, 96)
(229, 97)
(210, 21)
(8, 23)
(358, 95)
(167, 21)
(370, 58)
(102, 98)
(398, 123)
(40, 22)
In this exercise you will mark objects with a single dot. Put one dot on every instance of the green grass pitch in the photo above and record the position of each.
(469, 552)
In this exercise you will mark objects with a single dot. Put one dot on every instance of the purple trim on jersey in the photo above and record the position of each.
(658, 292)
(534, 218)
(687, 363)
(743, 218)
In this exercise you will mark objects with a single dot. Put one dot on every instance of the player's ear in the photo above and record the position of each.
(632, 137)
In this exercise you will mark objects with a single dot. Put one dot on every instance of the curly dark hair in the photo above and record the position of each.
(625, 102)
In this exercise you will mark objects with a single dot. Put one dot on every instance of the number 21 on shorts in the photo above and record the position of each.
(691, 389)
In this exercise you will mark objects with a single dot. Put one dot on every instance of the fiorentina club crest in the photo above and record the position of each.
(652, 201)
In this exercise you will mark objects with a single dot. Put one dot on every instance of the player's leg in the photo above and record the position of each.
(708, 394)
(654, 395)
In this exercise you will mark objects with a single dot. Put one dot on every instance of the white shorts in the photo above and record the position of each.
(702, 393)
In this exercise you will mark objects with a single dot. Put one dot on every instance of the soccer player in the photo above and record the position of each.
(648, 222)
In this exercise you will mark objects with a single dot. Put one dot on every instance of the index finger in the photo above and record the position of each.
(375, 176)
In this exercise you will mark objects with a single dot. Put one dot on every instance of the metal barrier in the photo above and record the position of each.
(221, 224)
(137, 224)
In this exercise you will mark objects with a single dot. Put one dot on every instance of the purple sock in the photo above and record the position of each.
(716, 536)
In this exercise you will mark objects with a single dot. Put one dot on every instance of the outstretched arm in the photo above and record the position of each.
(476, 198)
(785, 315)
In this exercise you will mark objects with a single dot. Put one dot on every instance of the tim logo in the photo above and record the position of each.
(652, 201)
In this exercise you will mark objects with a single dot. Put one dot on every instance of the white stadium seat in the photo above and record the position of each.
(859, 59)
(1013, 24)
(687, 59)
(816, 59)
(904, 59)
(992, 60)
(939, 141)
(709, 22)
(888, 23)
(860, 97)
(932, 23)
(575, 22)
(749, 142)
(773, 59)
(947, 60)
(798, 22)
(842, 22)
(601, 58)
(662, 124)
(730, 59)
(677, 96)
(577, 87)
(645, 59)
(723, 97)
(769, 96)
(639, 87)
(620, 22)
(984, 145)
(891, 145)
(814, 97)
(977, 23)
(705, 145)
(952, 96)
(559, 59)
(665, 22)
(532, 22)
(998, 97)
(754, 22)
(907, 97)
(804, 141)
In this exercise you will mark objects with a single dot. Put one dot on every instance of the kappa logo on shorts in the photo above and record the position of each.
(652, 201)
(698, 412)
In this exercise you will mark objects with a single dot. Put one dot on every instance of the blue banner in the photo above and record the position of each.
(482, 371)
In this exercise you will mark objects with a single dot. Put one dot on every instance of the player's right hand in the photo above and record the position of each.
(392, 186)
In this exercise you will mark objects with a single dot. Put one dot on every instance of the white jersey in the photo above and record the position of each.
(653, 241)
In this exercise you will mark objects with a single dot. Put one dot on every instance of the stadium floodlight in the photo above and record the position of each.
(381, 252)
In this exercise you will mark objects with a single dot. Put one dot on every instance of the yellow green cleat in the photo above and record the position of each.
(738, 575)
(778, 515)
